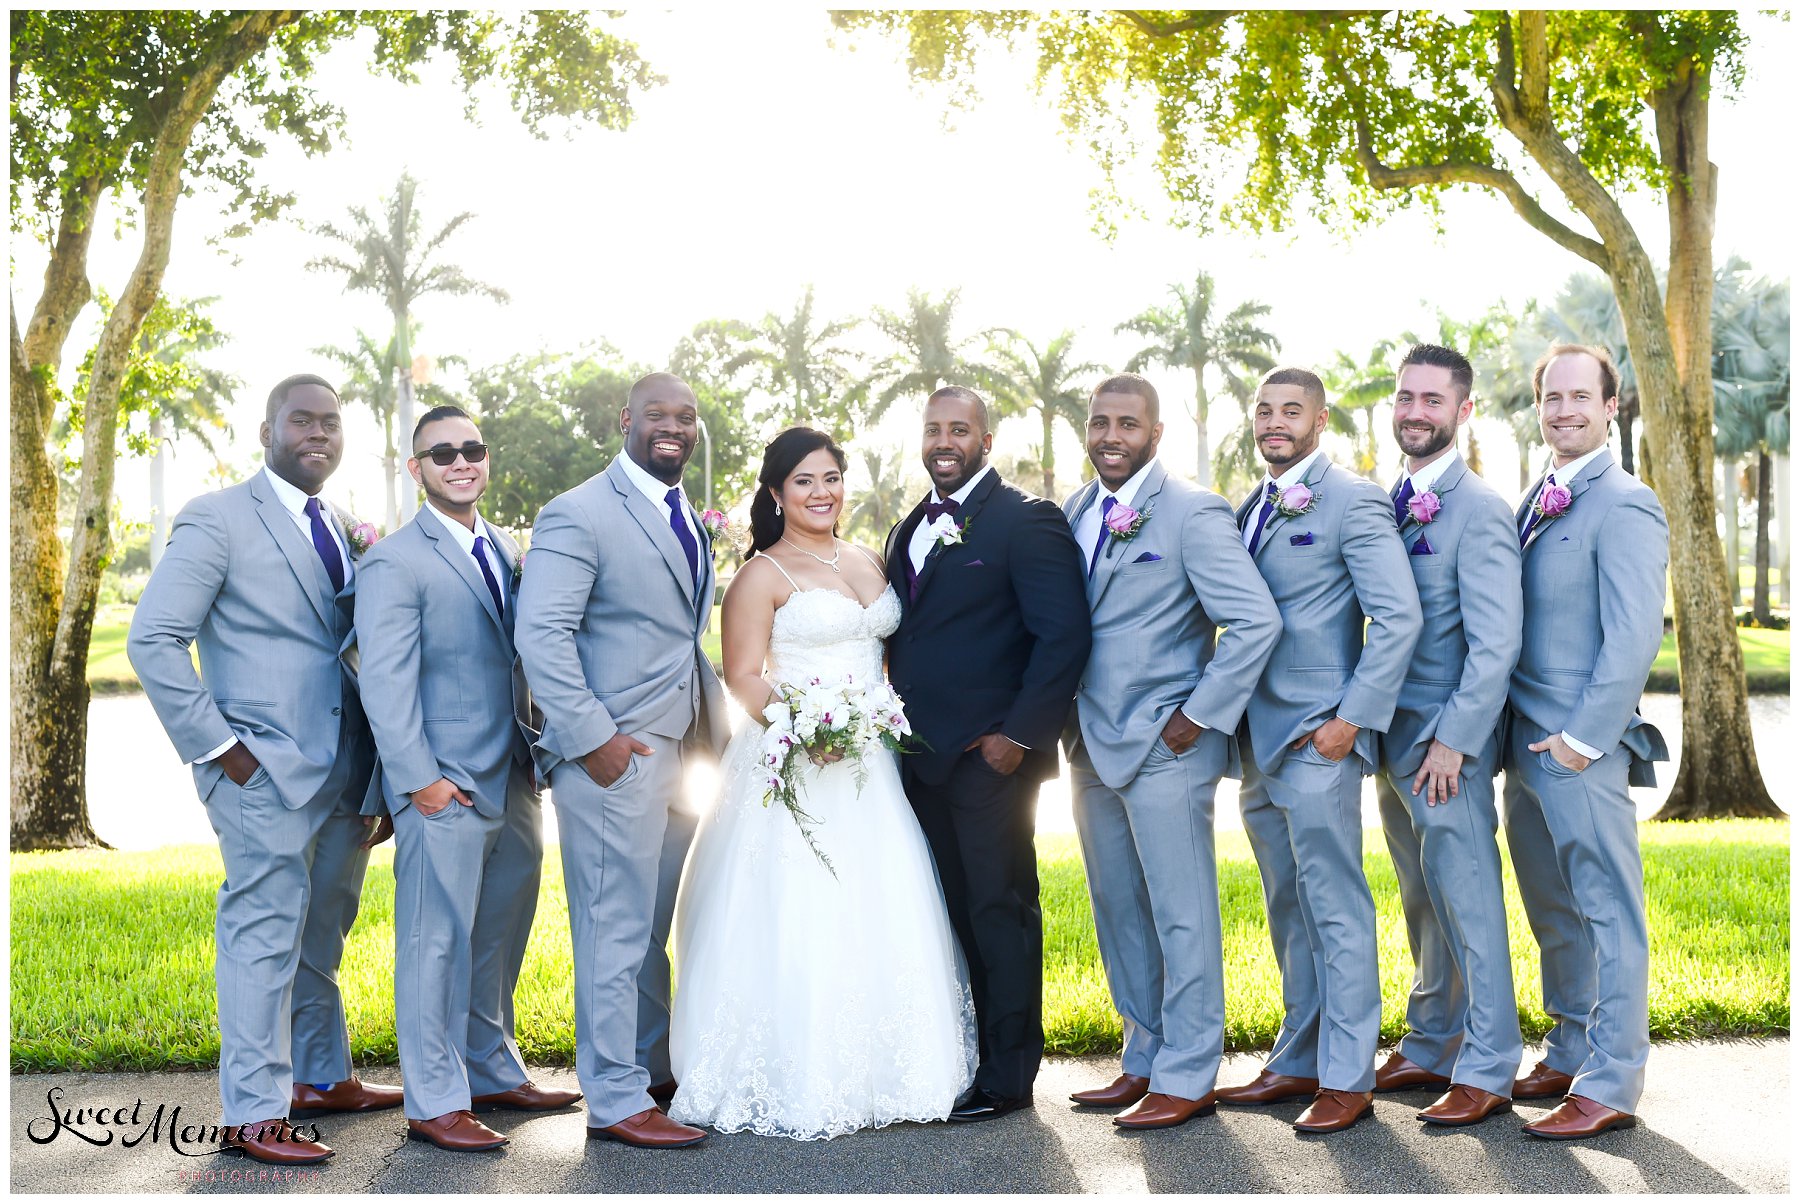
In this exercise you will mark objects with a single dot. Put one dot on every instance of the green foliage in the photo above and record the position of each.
(165, 377)
(803, 368)
(705, 359)
(928, 352)
(1300, 102)
(1752, 362)
(883, 488)
(142, 923)
(553, 422)
(92, 89)
(1048, 383)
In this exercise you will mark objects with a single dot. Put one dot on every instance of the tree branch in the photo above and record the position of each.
(66, 288)
(1482, 175)
(1202, 20)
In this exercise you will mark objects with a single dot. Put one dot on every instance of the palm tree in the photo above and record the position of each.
(1190, 334)
(928, 354)
(1360, 387)
(802, 365)
(881, 500)
(390, 258)
(372, 367)
(1751, 375)
(1029, 380)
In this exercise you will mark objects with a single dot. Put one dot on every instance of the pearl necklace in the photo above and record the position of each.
(831, 564)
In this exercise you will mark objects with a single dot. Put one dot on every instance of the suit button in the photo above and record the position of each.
(337, 710)
(682, 686)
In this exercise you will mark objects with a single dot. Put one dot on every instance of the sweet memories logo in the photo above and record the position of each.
(140, 1124)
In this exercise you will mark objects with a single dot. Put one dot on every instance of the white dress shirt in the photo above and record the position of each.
(293, 499)
(1087, 527)
(1293, 476)
(923, 537)
(1562, 476)
(1426, 477)
(465, 539)
(658, 493)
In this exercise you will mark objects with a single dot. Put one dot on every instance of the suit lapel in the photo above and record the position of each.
(463, 563)
(1112, 552)
(509, 566)
(302, 557)
(655, 524)
(1310, 479)
(899, 558)
(1075, 509)
(965, 516)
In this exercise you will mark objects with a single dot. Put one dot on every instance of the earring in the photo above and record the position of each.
(777, 509)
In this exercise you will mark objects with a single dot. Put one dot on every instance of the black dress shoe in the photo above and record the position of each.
(978, 1103)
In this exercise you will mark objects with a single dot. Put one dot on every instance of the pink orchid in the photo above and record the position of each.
(1425, 506)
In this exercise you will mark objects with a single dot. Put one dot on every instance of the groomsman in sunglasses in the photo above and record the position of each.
(1440, 754)
(262, 577)
(1324, 540)
(1596, 554)
(452, 722)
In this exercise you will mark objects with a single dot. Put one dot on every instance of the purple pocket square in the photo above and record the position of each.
(1300, 541)
(974, 564)
(1423, 548)
(1146, 558)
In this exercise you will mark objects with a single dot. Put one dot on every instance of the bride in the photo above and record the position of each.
(812, 1002)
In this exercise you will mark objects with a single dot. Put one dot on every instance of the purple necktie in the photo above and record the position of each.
(1262, 519)
(325, 545)
(1105, 509)
(487, 574)
(673, 497)
(1531, 515)
(1406, 495)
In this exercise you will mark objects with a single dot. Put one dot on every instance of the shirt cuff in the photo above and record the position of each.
(1586, 750)
(1191, 719)
(1010, 740)
(215, 754)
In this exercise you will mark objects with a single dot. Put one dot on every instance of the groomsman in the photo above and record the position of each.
(1440, 754)
(261, 576)
(452, 723)
(610, 620)
(1596, 551)
(1324, 541)
(1151, 735)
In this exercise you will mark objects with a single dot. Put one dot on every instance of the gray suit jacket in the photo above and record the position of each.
(610, 623)
(1158, 601)
(1595, 579)
(1327, 570)
(239, 579)
(1465, 564)
(439, 677)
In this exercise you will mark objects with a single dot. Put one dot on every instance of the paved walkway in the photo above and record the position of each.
(1694, 1138)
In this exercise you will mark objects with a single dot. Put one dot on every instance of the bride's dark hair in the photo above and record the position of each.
(780, 458)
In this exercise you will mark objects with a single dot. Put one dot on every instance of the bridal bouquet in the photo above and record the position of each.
(821, 722)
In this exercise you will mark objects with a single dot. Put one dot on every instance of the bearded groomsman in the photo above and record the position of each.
(452, 723)
(1152, 733)
(1440, 754)
(261, 576)
(1324, 541)
(1596, 551)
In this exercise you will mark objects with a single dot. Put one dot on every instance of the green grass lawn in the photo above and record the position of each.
(1765, 662)
(112, 952)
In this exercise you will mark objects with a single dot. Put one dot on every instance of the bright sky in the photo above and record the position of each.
(770, 160)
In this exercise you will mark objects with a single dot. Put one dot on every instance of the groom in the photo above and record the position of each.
(611, 611)
(991, 643)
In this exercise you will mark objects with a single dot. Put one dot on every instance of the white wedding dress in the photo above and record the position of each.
(807, 1005)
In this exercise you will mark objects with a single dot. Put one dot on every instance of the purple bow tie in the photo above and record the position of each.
(937, 510)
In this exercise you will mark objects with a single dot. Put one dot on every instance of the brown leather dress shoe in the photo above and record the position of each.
(526, 1097)
(351, 1095)
(1159, 1111)
(274, 1141)
(1268, 1088)
(1333, 1111)
(1543, 1083)
(1579, 1117)
(1403, 1074)
(649, 1129)
(1124, 1091)
(455, 1131)
(662, 1093)
(1464, 1105)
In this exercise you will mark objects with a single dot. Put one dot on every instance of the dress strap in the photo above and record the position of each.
(779, 569)
(869, 556)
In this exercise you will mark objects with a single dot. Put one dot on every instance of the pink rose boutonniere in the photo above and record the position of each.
(1553, 502)
(1424, 506)
(716, 524)
(1123, 523)
(1296, 500)
(364, 536)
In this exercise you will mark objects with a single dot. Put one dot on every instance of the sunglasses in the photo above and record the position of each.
(444, 455)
